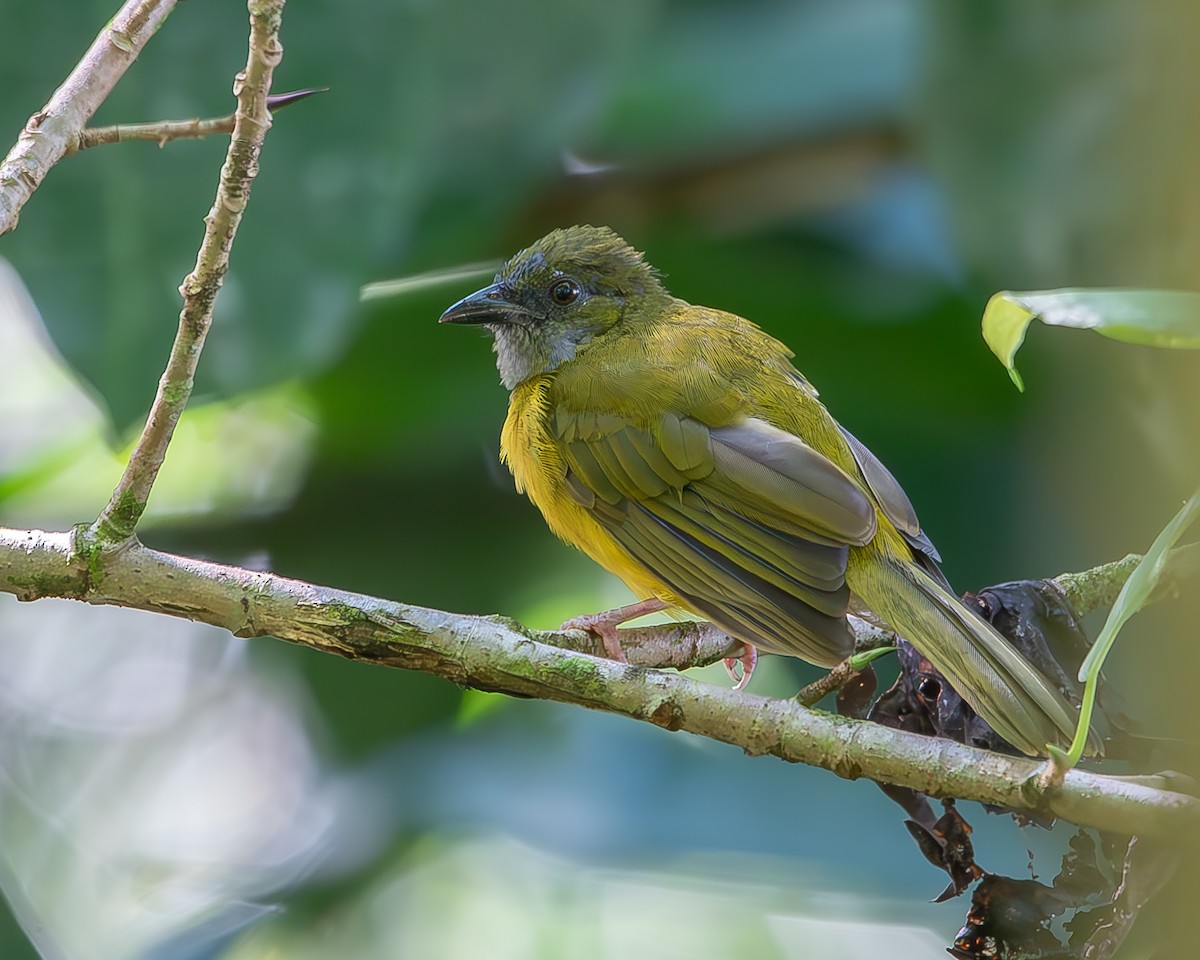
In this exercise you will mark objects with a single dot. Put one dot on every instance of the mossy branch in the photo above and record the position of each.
(1098, 587)
(492, 653)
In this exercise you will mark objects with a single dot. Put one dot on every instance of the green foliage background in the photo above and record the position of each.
(856, 178)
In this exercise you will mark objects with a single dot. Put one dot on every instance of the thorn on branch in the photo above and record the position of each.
(277, 101)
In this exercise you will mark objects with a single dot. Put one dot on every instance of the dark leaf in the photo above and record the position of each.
(947, 845)
(1009, 919)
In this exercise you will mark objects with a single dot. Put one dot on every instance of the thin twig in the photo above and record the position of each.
(492, 653)
(50, 131)
(813, 693)
(163, 132)
(252, 121)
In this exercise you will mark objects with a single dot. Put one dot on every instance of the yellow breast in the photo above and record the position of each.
(529, 447)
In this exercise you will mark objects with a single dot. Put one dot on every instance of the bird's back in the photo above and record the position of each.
(698, 362)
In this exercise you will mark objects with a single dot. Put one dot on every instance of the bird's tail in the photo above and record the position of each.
(1004, 688)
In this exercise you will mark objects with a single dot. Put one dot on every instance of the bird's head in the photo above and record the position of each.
(553, 298)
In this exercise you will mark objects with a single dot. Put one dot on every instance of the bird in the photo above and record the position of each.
(681, 449)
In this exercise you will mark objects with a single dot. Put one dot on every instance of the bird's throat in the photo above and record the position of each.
(521, 353)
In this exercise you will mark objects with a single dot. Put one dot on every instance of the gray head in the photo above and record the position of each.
(553, 298)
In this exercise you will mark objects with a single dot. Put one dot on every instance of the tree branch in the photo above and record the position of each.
(163, 132)
(252, 120)
(492, 653)
(1098, 587)
(50, 131)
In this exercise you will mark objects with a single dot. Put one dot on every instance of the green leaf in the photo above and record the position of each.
(1155, 318)
(1140, 585)
(860, 661)
(1130, 600)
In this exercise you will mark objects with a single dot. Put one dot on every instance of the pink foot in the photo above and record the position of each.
(605, 624)
(748, 660)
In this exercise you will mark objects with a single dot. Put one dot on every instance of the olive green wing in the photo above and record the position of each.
(745, 524)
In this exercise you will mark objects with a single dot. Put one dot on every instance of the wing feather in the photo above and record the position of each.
(896, 506)
(745, 524)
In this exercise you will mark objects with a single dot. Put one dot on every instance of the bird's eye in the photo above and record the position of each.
(564, 291)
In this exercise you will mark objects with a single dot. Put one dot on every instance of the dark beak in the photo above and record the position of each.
(489, 305)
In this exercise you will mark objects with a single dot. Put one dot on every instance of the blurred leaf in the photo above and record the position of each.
(477, 704)
(492, 896)
(1140, 585)
(1130, 600)
(157, 784)
(43, 406)
(244, 455)
(726, 73)
(1065, 153)
(1155, 318)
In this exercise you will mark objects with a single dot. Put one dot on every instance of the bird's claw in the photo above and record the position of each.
(602, 625)
(748, 660)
